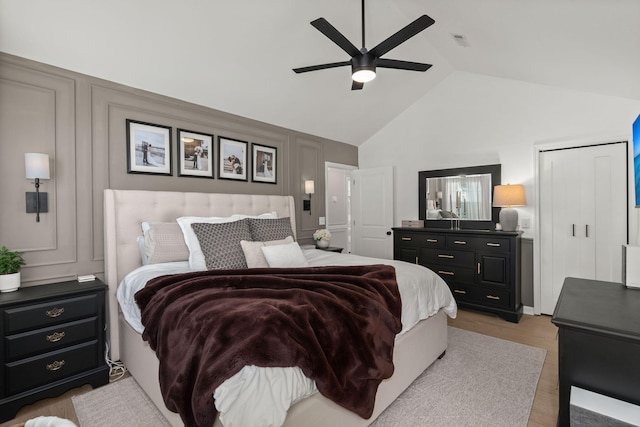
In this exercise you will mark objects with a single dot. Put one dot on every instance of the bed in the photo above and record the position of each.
(125, 210)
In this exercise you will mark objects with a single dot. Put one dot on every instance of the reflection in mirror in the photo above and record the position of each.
(463, 194)
(467, 197)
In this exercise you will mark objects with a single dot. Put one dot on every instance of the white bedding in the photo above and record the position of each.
(422, 291)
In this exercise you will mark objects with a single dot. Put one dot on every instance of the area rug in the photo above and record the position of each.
(481, 381)
(122, 403)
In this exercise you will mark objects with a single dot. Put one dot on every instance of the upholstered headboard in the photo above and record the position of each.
(125, 210)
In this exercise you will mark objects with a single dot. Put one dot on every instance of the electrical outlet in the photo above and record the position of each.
(321, 220)
(526, 223)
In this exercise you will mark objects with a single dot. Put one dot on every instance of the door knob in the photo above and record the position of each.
(388, 233)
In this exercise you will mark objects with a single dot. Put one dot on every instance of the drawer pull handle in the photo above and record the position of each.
(55, 365)
(55, 337)
(478, 268)
(448, 273)
(495, 245)
(459, 242)
(432, 240)
(54, 312)
(492, 297)
(446, 256)
(458, 291)
(406, 238)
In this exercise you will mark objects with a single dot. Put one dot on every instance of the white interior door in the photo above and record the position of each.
(583, 216)
(338, 204)
(372, 207)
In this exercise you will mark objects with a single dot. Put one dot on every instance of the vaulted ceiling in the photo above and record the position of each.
(237, 56)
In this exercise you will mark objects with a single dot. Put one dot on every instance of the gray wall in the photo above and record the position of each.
(80, 122)
(526, 273)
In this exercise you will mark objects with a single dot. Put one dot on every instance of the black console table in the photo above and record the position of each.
(598, 341)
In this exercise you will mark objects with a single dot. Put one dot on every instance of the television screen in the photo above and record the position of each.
(636, 158)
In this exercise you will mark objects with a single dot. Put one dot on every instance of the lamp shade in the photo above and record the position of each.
(36, 165)
(506, 196)
(309, 187)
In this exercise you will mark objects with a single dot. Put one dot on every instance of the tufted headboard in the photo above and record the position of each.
(125, 210)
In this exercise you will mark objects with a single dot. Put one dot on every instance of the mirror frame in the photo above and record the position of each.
(494, 170)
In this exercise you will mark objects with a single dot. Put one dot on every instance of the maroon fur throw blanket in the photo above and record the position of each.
(338, 324)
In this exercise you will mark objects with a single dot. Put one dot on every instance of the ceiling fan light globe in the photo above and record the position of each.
(363, 76)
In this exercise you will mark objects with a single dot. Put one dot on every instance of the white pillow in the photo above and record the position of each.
(288, 255)
(143, 252)
(253, 251)
(196, 257)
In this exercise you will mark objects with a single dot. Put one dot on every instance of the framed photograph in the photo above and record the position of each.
(264, 163)
(233, 159)
(195, 154)
(148, 148)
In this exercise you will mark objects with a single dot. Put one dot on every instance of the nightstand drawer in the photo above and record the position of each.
(50, 313)
(35, 371)
(48, 339)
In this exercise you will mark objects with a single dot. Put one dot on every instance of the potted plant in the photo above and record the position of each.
(10, 264)
(322, 238)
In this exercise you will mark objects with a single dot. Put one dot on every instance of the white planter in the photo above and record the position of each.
(322, 243)
(9, 282)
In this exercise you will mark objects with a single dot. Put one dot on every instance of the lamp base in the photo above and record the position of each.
(508, 219)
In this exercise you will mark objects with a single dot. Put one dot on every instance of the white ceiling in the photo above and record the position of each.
(237, 56)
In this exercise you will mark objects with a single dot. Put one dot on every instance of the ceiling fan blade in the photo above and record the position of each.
(321, 67)
(335, 36)
(401, 36)
(403, 65)
(356, 85)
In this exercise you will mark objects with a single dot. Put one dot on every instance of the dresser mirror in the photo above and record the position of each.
(463, 194)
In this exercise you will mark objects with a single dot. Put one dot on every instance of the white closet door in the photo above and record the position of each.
(583, 216)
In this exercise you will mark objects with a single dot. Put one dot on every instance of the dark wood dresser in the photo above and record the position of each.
(598, 341)
(52, 339)
(481, 267)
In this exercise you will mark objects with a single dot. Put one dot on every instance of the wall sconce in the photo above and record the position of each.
(506, 196)
(36, 166)
(309, 189)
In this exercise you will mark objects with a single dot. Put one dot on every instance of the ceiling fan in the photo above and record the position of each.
(364, 62)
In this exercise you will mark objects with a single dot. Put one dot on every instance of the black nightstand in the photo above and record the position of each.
(332, 249)
(52, 339)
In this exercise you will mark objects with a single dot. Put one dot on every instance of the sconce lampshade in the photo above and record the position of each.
(36, 165)
(309, 187)
(506, 196)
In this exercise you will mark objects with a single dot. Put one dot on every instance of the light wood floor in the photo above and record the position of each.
(536, 331)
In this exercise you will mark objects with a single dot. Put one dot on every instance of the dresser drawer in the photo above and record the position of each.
(493, 245)
(432, 240)
(447, 257)
(53, 312)
(494, 297)
(48, 339)
(454, 274)
(36, 371)
(485, 297)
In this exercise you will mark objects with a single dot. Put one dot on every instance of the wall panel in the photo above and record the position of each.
(80, 121)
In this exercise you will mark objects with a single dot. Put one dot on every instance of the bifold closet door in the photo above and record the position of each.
(583, 216)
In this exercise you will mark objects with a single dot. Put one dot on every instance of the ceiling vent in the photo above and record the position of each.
(460, 39)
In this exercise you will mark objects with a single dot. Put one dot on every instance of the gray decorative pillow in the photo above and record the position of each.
(263, 230)
(163, 242)
(220, 243)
